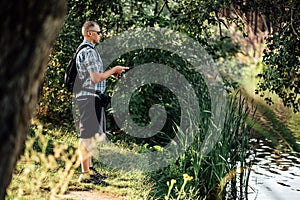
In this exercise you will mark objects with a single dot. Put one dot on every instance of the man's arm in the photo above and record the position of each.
(98, 77)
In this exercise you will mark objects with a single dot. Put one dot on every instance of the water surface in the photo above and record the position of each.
(275, 174)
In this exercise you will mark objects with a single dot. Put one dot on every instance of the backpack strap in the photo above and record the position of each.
(81, 47)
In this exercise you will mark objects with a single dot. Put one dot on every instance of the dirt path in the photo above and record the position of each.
(89, 195)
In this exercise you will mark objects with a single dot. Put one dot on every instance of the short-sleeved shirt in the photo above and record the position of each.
(88, 60)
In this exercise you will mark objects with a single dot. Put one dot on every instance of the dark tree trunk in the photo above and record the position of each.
(28, 31)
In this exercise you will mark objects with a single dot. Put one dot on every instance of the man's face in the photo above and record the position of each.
(95, 34)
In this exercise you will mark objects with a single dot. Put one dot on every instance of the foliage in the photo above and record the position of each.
(282, 71)
(280, 20)
(194, 18)
(151, 94)
(281, 57)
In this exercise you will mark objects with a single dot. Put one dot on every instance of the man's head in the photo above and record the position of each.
(91, 32)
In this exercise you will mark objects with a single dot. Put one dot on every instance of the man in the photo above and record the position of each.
(92, 117)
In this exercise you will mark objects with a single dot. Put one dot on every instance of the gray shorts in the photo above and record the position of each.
(92, 116)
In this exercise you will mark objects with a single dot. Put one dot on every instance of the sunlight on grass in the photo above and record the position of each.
(44, 170)
(294, 125)
(49, 169)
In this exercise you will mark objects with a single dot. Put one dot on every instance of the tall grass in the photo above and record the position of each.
(44, 170)
(49, 169)
(223, 172)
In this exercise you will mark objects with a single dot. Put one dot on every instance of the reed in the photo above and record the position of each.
(223, 172)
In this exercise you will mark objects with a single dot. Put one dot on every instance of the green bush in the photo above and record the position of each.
(148, 95)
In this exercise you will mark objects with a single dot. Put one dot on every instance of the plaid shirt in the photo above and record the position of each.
(88, 60)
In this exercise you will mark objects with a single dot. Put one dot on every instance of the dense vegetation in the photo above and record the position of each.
(205, 21)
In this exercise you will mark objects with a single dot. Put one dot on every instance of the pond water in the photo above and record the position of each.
(275, 174)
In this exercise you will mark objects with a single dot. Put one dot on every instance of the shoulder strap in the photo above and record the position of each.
(81, 47)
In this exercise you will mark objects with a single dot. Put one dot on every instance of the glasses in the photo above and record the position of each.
(98, 32)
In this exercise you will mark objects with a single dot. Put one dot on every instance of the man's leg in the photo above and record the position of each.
(89, 174)
(96, 141)
(92, 120)
(84, 155)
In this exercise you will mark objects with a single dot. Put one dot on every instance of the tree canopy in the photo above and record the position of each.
(280, 20)
(281, 74)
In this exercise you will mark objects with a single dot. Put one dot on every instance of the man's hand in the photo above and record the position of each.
(119, 70)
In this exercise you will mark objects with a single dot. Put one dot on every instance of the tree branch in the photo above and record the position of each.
(294, 31)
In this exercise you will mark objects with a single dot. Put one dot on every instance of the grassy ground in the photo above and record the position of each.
(49, 169)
